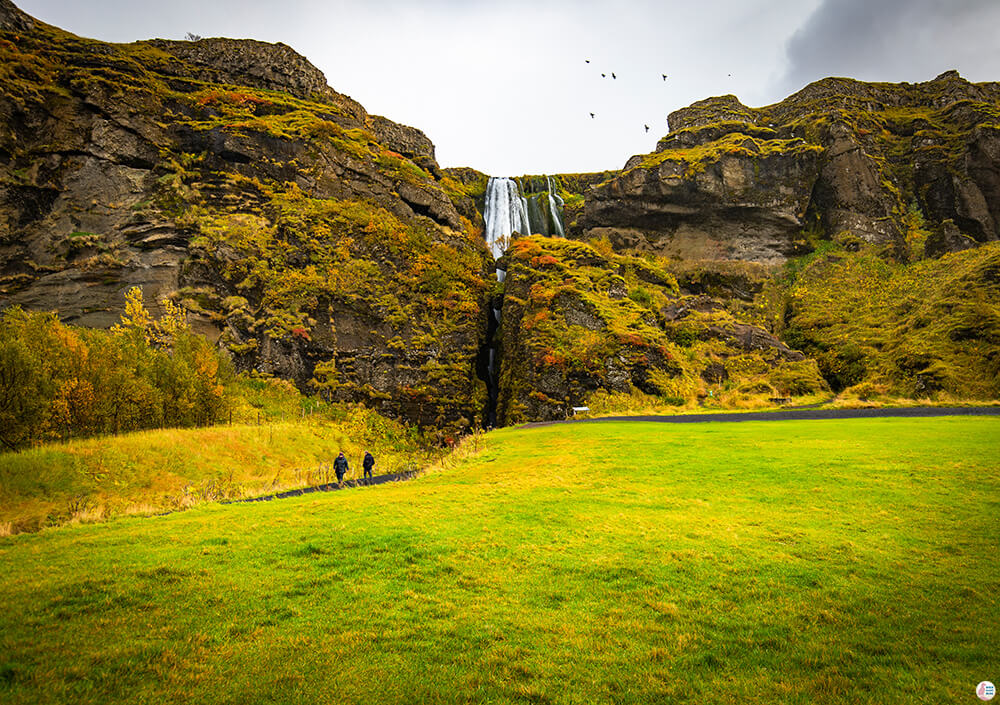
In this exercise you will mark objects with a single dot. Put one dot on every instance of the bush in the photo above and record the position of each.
(59, 382)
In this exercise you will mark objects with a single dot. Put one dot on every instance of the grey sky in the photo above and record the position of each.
(896, 40)
(504, 87)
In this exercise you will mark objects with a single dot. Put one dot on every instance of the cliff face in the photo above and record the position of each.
(576, 320)
(319, 243)
(311, 239)
(839, 156)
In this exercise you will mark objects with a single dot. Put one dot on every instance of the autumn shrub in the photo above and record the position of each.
(58, 381)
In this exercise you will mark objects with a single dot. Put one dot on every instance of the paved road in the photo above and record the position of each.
(800, 414)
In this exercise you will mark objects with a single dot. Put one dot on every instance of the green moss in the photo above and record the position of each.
(696, 159)
(577, 320)
(923, 329)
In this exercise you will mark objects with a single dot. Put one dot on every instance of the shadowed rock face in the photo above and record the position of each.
(840, 156)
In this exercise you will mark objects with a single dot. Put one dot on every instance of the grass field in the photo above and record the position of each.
(791, 562)
(162, 470)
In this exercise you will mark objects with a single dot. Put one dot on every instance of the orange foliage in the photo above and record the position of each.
(543, 261)
(529, 322)
(213, 97)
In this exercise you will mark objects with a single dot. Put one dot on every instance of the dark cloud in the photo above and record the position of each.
(895, 40)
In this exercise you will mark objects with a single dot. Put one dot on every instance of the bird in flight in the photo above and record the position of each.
(591, 115)
(587, 60)
(664, 76)
(613, 75)
(604, 75)
(647, 127)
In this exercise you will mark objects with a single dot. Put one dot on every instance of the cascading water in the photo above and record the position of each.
(555, 209)
(527, 208)
(509, 211)
(506, 213)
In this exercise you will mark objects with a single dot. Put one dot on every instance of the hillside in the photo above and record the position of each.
(310, 240)
(755, 562)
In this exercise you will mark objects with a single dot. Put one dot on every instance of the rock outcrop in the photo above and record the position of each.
(12, 19)
(576, 321)
(839, 156)
(312, 240)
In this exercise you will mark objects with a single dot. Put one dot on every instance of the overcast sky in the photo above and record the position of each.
(504, 86)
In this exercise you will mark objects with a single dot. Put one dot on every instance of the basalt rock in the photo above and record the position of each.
(312, 240)
(947, 238)
(838, 157)
(12, 19)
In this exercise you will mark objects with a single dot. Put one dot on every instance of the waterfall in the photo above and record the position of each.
(555, 209)
(506, 213)
(529, 210)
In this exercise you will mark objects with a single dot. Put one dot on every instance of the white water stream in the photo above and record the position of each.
(506, 213)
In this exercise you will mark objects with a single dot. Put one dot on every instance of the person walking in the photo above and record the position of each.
(340, 467)
(368, 463)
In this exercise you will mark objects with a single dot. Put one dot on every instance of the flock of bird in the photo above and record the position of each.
(614, 77)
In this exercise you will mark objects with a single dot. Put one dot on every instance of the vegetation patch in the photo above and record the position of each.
(579, 319)
(928, 329)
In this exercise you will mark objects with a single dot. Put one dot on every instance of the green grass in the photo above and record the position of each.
(171, 469)
(795, 562)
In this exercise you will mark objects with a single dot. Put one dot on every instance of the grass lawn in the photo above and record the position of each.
(845, 561)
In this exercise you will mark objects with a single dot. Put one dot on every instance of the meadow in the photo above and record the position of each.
(844, 561)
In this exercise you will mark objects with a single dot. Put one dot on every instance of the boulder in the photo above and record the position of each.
(947, 238)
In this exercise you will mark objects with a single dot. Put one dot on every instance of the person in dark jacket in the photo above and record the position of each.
(340, 467)
(368, 463)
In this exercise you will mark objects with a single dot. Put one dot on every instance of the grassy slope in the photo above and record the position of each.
(801, 562)
(164, 470)
(926, 329)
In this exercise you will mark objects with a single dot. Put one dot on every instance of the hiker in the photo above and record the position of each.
(368, 463)
(340, 467)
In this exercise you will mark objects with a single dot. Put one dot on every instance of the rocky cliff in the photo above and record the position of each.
(576, 320)
(839, 156)
(312, 240)
(316, 242)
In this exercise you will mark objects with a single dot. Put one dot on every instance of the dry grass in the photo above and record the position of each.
(169, 470)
